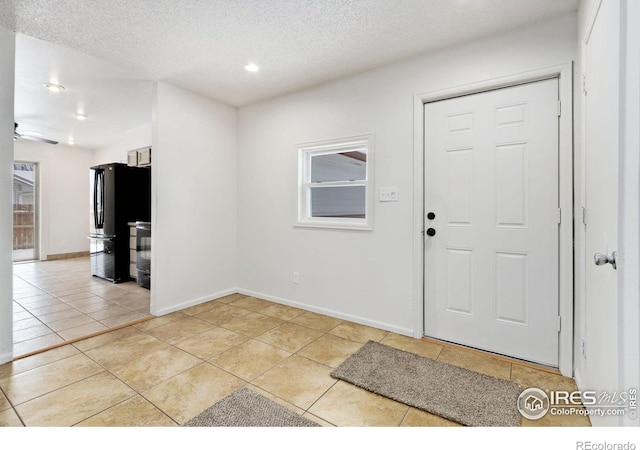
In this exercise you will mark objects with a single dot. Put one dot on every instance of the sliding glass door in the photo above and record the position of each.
(25, 206)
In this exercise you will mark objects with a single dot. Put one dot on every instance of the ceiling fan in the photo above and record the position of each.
(17, 135)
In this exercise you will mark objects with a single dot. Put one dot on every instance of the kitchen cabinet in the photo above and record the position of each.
(140, 157)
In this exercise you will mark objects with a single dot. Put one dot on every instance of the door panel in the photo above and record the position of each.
(491, 178)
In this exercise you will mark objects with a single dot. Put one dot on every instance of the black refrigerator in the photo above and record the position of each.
(120, 195)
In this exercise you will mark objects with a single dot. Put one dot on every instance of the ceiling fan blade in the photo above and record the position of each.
(37, 139)
(17, 135)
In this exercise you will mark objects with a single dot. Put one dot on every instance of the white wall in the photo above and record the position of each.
(363, 276)
(64, 195)
(194, 201)
(7, 68)
(132, 139)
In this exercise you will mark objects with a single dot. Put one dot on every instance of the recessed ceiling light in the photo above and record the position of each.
(80, 116)
(70, 141)
(54, 87)
(251, 67)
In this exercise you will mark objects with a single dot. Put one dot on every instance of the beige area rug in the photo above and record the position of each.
(246, 408)
(452, 392)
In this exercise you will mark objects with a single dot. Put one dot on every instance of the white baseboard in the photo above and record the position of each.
(283, 301)
(329, 312)
(194, 302)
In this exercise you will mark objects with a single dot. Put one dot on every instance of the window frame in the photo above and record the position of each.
(305, 153)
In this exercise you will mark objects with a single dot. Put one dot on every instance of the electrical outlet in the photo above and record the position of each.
(296, 277)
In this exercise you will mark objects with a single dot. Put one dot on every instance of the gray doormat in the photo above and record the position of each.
(452, 392)
(246, 408)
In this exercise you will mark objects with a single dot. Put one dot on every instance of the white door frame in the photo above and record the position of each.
(629, 204)
(564, 73)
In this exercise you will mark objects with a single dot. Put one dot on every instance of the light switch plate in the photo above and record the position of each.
(388, 194)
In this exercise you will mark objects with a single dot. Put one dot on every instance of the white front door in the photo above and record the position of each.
(491, 198)
(601, 67)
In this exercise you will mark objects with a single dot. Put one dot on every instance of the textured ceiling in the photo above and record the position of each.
(203, 45)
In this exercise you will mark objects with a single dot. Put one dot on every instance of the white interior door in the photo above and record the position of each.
(601, 68)
(491, 183)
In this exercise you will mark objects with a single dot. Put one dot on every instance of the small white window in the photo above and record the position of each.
(334, 179)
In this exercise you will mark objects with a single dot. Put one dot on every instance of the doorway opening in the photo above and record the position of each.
(25, 211)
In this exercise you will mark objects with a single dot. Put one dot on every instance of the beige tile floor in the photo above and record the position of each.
(166, 370)
(59, 301)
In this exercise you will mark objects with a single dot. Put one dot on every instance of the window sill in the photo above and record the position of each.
(334, 224)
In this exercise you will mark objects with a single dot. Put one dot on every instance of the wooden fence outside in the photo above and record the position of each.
(23, 232)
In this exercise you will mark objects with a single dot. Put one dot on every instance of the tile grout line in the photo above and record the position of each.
(136, 391)
(13, 408)
(250, 383)
(56, 280)
(78, 339)
(490, 355)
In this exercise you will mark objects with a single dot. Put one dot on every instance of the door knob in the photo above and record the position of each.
(601, 259)
(431, 232)
(431, 215)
